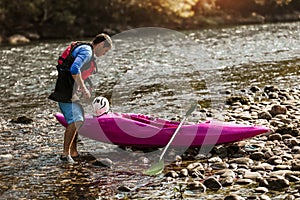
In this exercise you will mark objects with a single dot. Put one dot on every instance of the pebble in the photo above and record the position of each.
(212, 183)
(268, 162)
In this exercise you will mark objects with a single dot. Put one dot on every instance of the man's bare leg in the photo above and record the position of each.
(69, 139)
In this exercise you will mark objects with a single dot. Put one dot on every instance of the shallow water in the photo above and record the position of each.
(157, 73)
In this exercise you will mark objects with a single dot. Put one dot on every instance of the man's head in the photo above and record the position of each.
(101, 44)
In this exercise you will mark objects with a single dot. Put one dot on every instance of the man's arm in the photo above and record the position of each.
(83, 55)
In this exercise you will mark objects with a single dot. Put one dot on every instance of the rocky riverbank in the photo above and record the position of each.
(264, 167)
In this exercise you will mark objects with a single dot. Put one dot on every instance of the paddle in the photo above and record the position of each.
(158, 167)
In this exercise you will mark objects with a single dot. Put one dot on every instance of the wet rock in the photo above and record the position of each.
(288, 129)
(255, 89)
(18, 39)
(233, 149)
(226, 173)
(234, 197)
(282, 167)
(296, 149)
(273, 95)
(6, 156)
(228, 181)
(214, 159)
(257, 156)
(264, 197)
(291, 142)
(266, 166)
(277, 183)
(252, 175)
(261, 190)
(106, 162)
(292, 178)
(184, 173)
(172, 174)
(244, 181)
(178, 160)
(268, 153)
(196, 185)
(296, 166)
(278, 109)
(124, 188)
(271, 88)
(262, 182)
(195, 167)
(240, 99)
(253, 197)
(197, 174)
(220, 151)
(275, 160)
(219, 165)
(264, 115)
(22, 120)
(275, 136)
(212, 183)
(245, 161)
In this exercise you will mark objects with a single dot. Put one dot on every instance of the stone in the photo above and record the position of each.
(273, 95)
(252, 175)
(18, 39)
(271, 88)
(184, 173)
(172, 174)
(296, 166)
(257, 156)
(261, 190)
(277, 183)
(275, 136)
(219, 165)
(255, 89)
(212, 183)
(264, 115)
(245, 161)
(228, 181)
(278, 109)
(282, 167)
(226, 173)
(22, 120)
(240, 99)
(288, 129)
(275, 160)
(234, 197)
(196, 185)
(124, 188)
(244, 181)
(264, 197)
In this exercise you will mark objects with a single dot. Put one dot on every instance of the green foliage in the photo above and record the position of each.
(51, 18)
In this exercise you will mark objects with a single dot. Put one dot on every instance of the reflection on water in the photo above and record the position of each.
(140, 76)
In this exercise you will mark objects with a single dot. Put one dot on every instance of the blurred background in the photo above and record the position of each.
(48, 19)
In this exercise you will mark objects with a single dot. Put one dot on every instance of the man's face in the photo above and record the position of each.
(100, 50)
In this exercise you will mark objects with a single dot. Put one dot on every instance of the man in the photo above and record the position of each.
(76, 60)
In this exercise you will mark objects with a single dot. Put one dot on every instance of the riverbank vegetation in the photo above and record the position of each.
(48, 19)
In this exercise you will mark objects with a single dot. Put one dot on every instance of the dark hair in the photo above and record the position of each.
(102, 38)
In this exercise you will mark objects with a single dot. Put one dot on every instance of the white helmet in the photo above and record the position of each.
(100, 106)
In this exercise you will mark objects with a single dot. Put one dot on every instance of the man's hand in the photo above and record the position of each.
(86, 93)
(80, 83)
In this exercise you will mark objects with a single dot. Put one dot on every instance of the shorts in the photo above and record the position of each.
(73, 112)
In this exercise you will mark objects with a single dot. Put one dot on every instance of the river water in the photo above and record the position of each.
(151, 71)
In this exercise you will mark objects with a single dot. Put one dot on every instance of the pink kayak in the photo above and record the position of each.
(139, 130)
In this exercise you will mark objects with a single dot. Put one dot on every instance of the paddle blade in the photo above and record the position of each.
(155, 169)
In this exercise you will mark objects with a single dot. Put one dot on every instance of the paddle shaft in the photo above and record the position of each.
(192, 108)
(172, 138)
